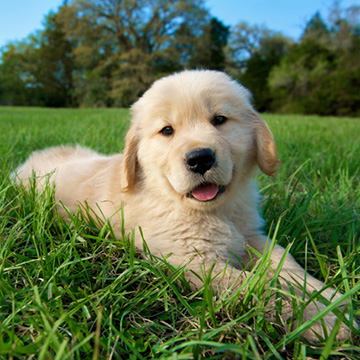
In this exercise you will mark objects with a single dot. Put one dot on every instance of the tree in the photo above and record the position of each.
(53, 65)
(38, 71)
(316, 29)
(244, 41)
(293, 81)
(14, 75)
(252, 52)
(127, 44)
(209, 52)
(258, 67)
(317, 76)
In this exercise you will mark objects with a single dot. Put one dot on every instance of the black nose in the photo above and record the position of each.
(200, 160)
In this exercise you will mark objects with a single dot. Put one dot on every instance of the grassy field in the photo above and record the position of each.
(70, 291)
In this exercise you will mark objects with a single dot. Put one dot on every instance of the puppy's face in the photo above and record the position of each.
(195, 137)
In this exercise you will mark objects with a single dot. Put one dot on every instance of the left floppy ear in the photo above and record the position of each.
(266, 155)
(130, 163)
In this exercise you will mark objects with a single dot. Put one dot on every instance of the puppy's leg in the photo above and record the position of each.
(224, 277)
(292, 273)
(220, 274)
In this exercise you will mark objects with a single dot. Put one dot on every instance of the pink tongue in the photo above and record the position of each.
(205, 192)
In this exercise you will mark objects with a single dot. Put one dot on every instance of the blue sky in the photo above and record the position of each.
(19, 18)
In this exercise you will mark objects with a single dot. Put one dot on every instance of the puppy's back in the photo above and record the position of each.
(44, 162)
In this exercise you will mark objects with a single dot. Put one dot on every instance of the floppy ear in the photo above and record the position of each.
(130, 162)
(266, 156)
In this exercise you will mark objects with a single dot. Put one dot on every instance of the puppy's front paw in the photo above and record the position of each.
(323, 327)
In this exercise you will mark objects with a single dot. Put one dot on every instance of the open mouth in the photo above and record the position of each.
(206, 192)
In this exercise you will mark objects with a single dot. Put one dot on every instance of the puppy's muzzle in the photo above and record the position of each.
(200, 160)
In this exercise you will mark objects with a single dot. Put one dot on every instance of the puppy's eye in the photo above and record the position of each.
(167, 131)
(218, 120)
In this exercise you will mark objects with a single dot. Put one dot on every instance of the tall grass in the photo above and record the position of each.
(72, 291)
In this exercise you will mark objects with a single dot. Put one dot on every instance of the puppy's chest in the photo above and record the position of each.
(209, 237)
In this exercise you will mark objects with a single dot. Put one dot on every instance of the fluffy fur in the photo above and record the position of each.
(154, 182)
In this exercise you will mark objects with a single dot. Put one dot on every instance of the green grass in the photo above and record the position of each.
(71, 291)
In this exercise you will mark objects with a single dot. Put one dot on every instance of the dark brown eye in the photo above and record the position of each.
(167, 131)
(218, 120)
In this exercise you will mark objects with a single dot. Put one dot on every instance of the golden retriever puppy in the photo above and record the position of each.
(185, 177)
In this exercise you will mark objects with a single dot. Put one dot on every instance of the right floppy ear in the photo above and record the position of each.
(130, 163)
(266, 155)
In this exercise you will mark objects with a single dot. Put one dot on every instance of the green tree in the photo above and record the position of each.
(321, 74)
(13, 75)
(124, 45)
(244, 41)
(38, 71)
(53, 65)
(209, 52)
(316, 28)
(252, 52)
(293, 81)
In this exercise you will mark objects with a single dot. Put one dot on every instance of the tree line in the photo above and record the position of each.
(106, 53)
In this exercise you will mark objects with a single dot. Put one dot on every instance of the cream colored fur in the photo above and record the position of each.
(151, 179)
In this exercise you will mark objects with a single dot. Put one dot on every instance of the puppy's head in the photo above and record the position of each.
(195, 136)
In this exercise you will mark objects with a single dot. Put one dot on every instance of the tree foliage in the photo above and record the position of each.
(127, 44)
(38, 71)
(100, 53)
(252, 52)
(321, 74)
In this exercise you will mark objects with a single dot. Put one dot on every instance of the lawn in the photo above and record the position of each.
(71, 291)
